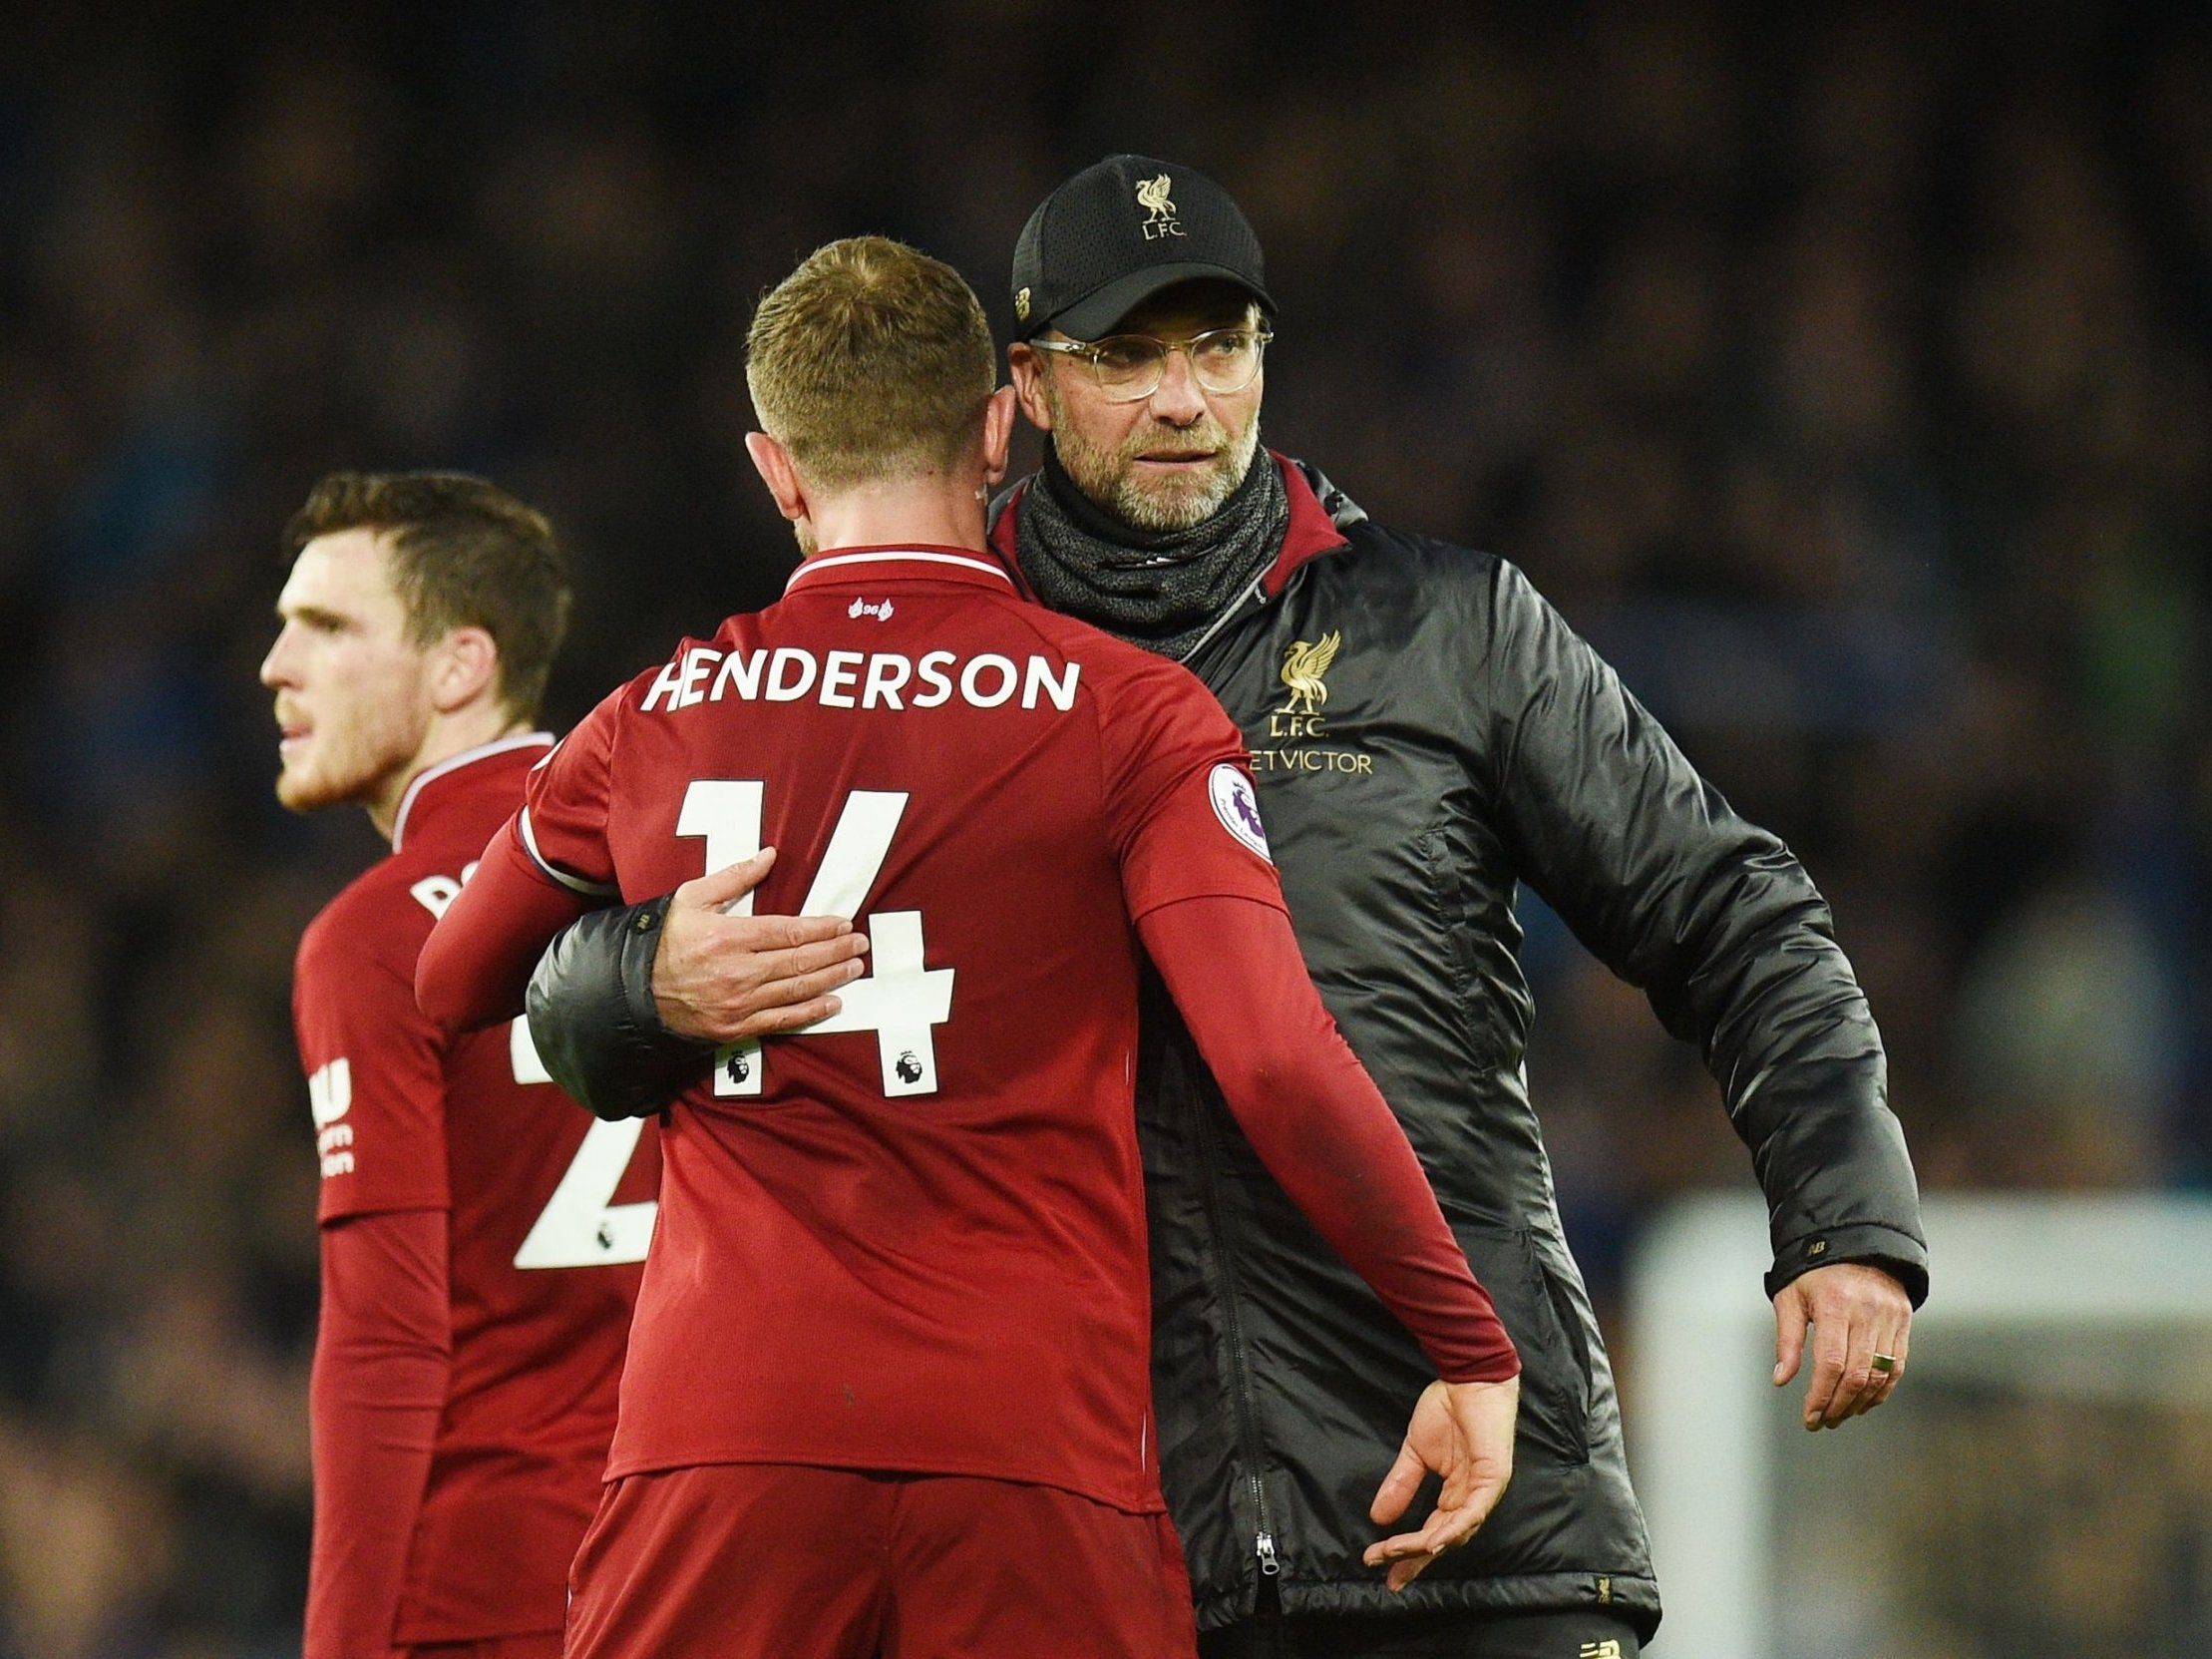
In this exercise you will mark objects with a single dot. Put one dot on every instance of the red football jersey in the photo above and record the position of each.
(913, 1237)
(550, 1214)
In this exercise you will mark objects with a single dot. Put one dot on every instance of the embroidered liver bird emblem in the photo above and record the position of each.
(1151, 195)
(1303, 665)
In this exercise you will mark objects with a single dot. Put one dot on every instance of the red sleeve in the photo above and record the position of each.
(1183, 816)
(375, 1395)
(477, 963)
(1321, 1127)
(562, 823)
(375, 1068)
(546, 867)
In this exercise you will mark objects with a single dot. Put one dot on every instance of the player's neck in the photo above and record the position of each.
(942, 512)
(448, 735)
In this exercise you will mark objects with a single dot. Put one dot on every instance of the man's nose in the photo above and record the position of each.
(275, 669)
(1178, 399)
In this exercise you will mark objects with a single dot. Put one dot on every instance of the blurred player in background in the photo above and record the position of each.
(887, 1391)
(480, 1236)
(1428, 735)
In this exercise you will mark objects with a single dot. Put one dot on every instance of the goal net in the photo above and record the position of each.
(2038, 1488)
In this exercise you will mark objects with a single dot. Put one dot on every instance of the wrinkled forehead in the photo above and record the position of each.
(1190, 308)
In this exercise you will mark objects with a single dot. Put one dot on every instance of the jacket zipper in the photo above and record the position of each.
(1248, 1421)
(1256, 595)
(1225, 1278)
(1253, 596)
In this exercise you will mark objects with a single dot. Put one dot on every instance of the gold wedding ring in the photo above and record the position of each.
(1885, 1362)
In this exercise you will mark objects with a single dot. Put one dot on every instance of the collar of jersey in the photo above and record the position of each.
(453, 763)
(859, 566)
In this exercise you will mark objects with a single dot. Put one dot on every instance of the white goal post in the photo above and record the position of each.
(2060, 1378)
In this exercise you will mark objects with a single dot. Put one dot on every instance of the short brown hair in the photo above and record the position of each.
(870, 361)
(465, 554)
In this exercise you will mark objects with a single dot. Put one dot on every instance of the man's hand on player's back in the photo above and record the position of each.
(721, 978)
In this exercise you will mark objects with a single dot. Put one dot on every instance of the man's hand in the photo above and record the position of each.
(1856, 1312)
(1464, 1432)
(724, 978)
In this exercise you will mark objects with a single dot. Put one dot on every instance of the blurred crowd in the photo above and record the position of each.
(1845, 373)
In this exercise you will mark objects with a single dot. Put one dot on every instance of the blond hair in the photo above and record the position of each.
(870, 361)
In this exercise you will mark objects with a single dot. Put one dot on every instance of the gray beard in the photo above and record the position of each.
(1160, 588)
(1092, 471)
(1130, 502)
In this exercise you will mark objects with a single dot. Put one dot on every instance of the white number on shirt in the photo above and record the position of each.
(582, 1225)
(900, 1000)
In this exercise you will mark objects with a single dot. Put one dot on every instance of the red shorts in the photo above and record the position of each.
(544, 1644)
(787, 1561)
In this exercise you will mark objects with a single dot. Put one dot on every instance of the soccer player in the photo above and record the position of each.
(479, 1237)
(888, 1390)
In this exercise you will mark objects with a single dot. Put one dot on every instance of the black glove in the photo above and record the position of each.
(593, 1016)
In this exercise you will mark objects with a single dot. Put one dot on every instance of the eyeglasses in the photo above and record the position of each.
(1131, 366)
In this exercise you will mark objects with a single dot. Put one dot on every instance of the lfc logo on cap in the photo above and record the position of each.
(1021, 305)
(1151, 195)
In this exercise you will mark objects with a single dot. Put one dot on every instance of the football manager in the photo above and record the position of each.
(1428, 735)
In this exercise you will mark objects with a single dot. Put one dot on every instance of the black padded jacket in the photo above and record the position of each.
(1427, 735)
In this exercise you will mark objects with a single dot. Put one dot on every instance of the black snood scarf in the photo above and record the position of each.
(1159, 588)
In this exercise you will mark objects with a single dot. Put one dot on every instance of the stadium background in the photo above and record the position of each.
(1843, 372)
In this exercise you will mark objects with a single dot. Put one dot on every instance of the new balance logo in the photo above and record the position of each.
(330, 1098)
(1607, 1649)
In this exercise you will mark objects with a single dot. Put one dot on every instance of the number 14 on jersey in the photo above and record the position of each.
(900, 1000)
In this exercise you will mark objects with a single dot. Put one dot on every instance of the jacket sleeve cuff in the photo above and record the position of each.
(593, 1018)
(1898, 1254)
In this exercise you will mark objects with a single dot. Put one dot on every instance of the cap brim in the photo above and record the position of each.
(1096, 313)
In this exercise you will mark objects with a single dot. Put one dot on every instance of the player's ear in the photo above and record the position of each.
(772, 462)
(1025, 363)
(465, 667)
(998, 433)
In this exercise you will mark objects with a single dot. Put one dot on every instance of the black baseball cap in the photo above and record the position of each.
(1117, 234)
